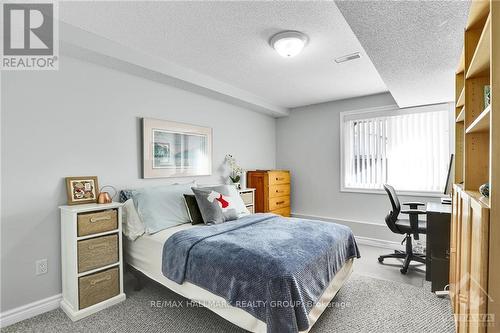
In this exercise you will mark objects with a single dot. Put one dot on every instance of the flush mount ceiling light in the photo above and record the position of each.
(348, 57)
(288, 43)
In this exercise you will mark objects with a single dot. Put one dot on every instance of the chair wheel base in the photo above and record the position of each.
(403, 271)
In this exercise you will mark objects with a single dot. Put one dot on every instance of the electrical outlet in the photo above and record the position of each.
(41, 267)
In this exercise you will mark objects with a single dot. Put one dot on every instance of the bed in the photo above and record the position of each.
(169, 256)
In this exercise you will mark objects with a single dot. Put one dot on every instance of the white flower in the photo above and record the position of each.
(236, 170)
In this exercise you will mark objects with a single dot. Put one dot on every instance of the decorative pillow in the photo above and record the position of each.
(132, 225)
(162, 207)
(127, 194)
(219, 204)
(193, 209)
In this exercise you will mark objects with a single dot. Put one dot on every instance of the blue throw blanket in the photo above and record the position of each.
(273, 267)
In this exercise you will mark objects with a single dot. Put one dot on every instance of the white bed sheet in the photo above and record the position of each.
(145, 254)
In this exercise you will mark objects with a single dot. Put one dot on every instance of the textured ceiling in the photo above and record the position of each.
(415, 45)
(229, 42)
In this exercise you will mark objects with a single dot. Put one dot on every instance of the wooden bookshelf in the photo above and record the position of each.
(475, 238)
(461, 115)
(481, 123)
(480, 63)
(461, 98)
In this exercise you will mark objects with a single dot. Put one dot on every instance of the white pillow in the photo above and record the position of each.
(238, 201)
(132, 225)
(162, 207)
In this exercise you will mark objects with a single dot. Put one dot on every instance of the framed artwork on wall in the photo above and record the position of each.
(82, 190)
(172, 149)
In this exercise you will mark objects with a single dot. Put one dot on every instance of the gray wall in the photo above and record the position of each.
(83, 120)
(308, 143)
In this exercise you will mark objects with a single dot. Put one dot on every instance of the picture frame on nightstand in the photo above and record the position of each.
(82, 190)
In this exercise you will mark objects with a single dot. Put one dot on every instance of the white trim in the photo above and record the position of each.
(332, 219)
(75, 315)
(378, 243)
(371, 229)
(402, 193)
(385, 111)
(379, 111)
(29, 310)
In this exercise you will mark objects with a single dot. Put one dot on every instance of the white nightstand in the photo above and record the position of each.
(248, 196)
(91, 257)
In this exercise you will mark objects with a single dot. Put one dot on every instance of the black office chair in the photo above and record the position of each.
(408, 227)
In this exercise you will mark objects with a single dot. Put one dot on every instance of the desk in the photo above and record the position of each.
(437, 260)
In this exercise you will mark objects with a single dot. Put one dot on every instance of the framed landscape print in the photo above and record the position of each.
(174, 149)
(82, 190)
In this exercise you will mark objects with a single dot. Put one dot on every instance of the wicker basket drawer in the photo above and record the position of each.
(279, 202)
(96, 222)
(247, 197)
(98, 287)
(97, 252)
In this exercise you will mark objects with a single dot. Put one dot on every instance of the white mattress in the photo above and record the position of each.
(145, 255)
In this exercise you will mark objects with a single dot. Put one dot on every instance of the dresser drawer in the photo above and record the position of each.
(278, 177)
(247, 197)
(96, 222)
(97, 252)
(282, 211)
(279, 190)
(98, 287)
(279, 202)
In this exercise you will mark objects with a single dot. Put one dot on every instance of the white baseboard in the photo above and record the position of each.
(367, 233)
(29, 310)
(79, 314)
(378, 243)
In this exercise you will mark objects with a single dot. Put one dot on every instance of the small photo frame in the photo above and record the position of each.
(82, 190)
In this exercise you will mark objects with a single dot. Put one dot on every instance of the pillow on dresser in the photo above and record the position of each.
(219, 204)
(162, 207)
(193, 209)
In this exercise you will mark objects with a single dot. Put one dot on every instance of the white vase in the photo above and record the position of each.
(243, 180)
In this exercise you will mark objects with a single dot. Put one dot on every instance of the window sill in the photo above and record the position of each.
(402, 193)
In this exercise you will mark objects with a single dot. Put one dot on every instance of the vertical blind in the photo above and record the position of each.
(409, 151)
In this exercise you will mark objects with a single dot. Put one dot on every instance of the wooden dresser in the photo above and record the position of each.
(272, 191)
(91, 255)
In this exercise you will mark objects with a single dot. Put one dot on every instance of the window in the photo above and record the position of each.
(407, 148)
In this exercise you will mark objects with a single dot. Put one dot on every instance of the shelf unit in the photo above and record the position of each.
(461, 115)
(461, 98)
(94, 287)
(480, 63)
(481, 123)
(474, 270)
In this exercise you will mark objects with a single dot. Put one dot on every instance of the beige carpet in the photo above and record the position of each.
(364, 304)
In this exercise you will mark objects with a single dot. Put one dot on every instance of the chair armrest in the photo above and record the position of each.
(413, 211)
(413, 203)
